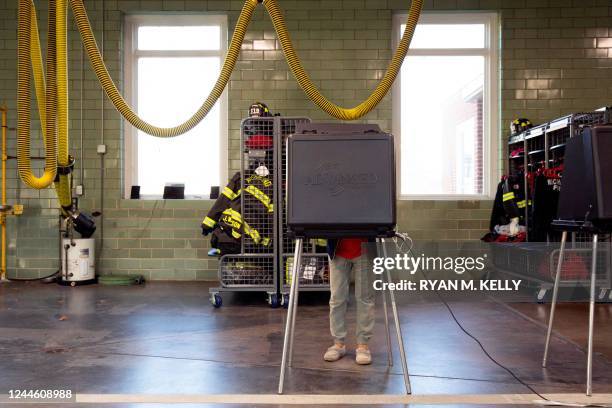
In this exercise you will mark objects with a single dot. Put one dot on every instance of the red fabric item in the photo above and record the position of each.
(349, 248)
(520, 237)
(517, 152)
(574, 267)
(259, 142)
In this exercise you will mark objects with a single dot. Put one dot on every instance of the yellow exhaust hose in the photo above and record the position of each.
(126, 111)
(311, 90)
(46, 87)
(39, 75)
(302, 77)
(53, 102)
(64, 191)
(26, 13)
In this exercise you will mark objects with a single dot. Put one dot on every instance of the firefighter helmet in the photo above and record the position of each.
(259, 110)
(519, 125)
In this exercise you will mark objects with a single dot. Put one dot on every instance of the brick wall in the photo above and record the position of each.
(556, 58)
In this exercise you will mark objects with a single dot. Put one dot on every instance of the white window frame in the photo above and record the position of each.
(130, 76)
(491, 126)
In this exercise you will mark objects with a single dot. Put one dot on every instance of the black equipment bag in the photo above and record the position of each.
(340, 181)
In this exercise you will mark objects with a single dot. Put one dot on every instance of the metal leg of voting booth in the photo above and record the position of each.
(292, 312)
(589, 385)
(386, 312)
(589, 390)
(398, 327)
(553, 305)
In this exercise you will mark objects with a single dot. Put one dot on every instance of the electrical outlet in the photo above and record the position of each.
(79, 190)
(101, 149)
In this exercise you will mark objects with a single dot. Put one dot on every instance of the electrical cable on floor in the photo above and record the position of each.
(545, 401)
(484, 350)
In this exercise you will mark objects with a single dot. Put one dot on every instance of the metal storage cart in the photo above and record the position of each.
(314, 270)
(261, 264)
(536, 262)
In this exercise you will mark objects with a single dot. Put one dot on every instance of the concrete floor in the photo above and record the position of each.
(166, 338)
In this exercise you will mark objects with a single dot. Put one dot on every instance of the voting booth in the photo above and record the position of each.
(340, 183)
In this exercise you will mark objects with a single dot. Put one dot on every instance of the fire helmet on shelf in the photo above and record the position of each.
(519, 125)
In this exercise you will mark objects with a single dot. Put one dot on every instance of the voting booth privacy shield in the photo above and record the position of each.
(340, 181)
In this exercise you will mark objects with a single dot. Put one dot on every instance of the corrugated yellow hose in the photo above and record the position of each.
(48, 103)
(56, 92)
(311, 90)
(39, 75)
(292, 59)
(26, 13)
(111, 90)
(64, 191)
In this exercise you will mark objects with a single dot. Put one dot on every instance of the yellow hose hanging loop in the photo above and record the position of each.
(91, 47)
(64, 191)
(52, 88)
(24, 76)
(311, 90)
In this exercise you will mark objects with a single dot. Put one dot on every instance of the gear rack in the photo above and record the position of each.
(263, 267)
(536, 261)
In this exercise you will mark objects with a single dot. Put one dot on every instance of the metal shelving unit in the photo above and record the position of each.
(544, 145)
(314, 271)
(262, 267)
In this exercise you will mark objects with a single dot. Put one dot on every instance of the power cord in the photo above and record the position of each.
(545, 401)
(484, 350)
(405, 238)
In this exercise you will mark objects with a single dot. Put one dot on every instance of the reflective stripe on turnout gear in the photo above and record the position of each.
(265, 181)
(209, 222)
(229, 193)
(232, 218)
(320, 242)
(261, 196)
(508, 196)
(253, 233)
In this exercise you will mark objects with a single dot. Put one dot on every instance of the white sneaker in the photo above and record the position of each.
(363, 356)
(334, 353)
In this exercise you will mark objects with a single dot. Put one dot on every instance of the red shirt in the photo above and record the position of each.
(349, 248)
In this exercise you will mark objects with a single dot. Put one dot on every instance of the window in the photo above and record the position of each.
(445, 107)
(171, 63)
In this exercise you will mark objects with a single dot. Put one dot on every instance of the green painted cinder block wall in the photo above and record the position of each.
(556, 58)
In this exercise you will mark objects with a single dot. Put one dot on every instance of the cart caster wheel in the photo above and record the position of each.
(285, 301)
(603, 295)
(215, 300)
(541, 296)
(273, 300)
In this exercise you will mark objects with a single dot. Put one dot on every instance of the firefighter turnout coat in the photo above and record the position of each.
(227, 223)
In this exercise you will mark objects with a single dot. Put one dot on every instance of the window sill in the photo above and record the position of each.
(435, 197)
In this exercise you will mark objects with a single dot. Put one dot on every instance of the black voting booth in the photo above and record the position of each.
(340, 183)
(585, 205)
